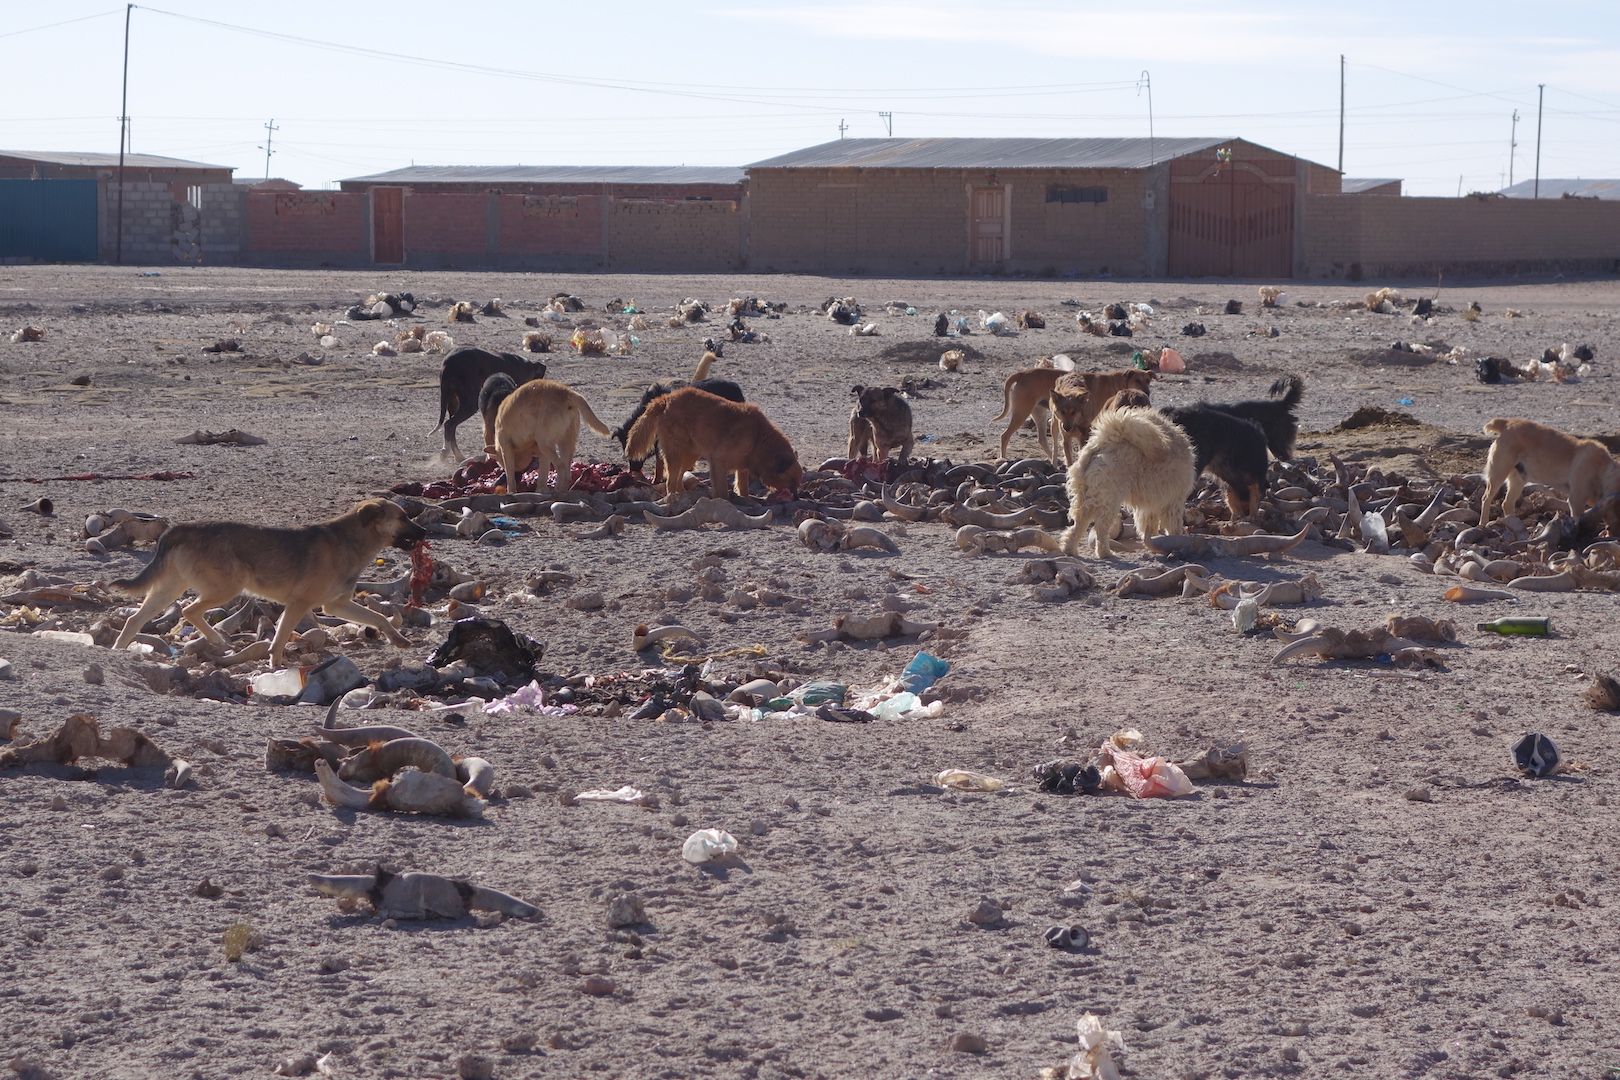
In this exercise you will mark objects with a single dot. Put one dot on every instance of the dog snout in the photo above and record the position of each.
(408, 534)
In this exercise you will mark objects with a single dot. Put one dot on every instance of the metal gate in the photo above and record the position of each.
(48, 220)
(989, 225)
(388, 225)
(1232, 223)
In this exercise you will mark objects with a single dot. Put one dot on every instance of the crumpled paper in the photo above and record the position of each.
(528, 697)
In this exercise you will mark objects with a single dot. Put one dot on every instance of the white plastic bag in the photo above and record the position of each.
(708, 845)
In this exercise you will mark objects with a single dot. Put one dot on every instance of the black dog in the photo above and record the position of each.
(496, 389)
(1228, 446)
(462, 378)
(718, 387)
(1276, 417)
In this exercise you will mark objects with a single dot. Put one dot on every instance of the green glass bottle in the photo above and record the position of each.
(1522, 627)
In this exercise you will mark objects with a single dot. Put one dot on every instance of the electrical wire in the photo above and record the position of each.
(64, 22)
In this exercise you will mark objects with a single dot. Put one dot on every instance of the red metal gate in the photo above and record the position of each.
(1232, 223)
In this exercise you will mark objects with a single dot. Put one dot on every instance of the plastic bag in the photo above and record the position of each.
(708, 845)
(963, 780)
(1094, 1062)
(1150, 777)
(924, 671)
(1170, 362)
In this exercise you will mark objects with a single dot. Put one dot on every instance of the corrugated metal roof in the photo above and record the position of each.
(988, 153)
(1555, 189)
(1356, 185)
(132, 161)
(555, 174)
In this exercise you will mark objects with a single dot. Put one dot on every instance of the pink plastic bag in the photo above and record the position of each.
(1150, 777)
(1170, 362)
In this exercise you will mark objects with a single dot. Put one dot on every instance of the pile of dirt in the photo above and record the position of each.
(1374, 416)
(927, 351)
(1214, 361)
(1391, 358)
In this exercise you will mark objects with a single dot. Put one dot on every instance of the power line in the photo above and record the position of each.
(64, 22)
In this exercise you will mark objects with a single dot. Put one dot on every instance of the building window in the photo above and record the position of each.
(1077, 194)
(194, 195)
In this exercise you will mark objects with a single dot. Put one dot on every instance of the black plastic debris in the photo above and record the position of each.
(1062, 777)
(1536, 755)
(490, 646)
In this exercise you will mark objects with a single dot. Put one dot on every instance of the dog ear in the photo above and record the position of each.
(371, 510)
(857, 391)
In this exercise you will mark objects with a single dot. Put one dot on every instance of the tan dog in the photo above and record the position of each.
(736, 438)
(540, 419)
(881, 421)
(1079, 396)
(302, 569)
(1135, 458)
(1024, 393)
(1528, 452)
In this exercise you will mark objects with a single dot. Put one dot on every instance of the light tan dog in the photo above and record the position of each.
(303, 569)
(1079, 396)
(540, 419)
(690, 423)
(1528, 452)
(1135, 458)
(1025, 393)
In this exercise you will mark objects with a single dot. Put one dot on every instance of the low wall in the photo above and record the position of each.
(646, 234)
(307, 228)
(1354, 237)
(160, 225)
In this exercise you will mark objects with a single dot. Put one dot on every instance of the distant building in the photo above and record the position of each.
(1130, 207)
(1565, 189)
(1368, 186)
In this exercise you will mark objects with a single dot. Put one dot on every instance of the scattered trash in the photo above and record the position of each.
(224, 345)
(28, 333)
(1536, 755)
(532, 698)
(1516, 626)
(922, 672)
(1062, 777)
(630, 796)
(963, 780)
(1095, 1060)
(1170, 362)
(1067, 937)
(709, 845)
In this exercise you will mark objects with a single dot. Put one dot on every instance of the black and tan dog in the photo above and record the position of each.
(1228, 447)
(461, 378)
(881, 421)
(302, 569)
(1275, 417)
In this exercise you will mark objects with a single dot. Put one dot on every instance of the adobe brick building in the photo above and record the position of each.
(510, 218)
(1130, 207)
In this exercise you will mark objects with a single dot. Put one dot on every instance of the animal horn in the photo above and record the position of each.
(381, 762)
(338, 793)
(726, 513)
(694, 518)
(968, 515)
(1564, 582)
(477, 776)
(1463, 593)
(351, 886)
(1311, 643)
(1261, 544)
(1038, 538)
(970, 538)
(483, 899)
(900, 509)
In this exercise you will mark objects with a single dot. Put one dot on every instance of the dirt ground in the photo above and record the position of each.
(1313, 920)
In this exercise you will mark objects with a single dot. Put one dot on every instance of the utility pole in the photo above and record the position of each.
(1341, 115)
(123, 130)
(1513, 144)
(888, 121)
(270, 134)
(842, 127)
(1541, 90)
(1146, 82)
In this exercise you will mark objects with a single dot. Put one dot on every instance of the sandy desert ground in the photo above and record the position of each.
(1313, 920)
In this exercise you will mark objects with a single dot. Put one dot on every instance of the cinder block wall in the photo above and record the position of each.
(307, 228)
(917, 221)
(661, 235)
(1356, 237)
(149, 222)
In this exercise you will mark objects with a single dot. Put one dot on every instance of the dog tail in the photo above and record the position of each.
(1288, 390)
(704, 365)
(1006, 397)
(645, 432)
(1145, 430)
(589, 417)
(1495, 427)
(448, 402)
(141, 582)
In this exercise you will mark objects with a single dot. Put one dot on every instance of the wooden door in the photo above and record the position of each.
(388, 225)
(1232, 223)
(989, 224)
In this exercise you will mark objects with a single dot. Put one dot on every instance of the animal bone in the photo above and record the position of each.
(869, 628)
(967, 515)
(1135, 584)
(420, 896)
(863, 537)
(382, 760)
(412, 791)
(704, 511)
(1370, 525)
(1218, 763)
(820, 534)
(300, 754)
(645, 637)
(613, 526)
(80, 736)
(1464, 593)
(1603, 556)
(1186, 544)
(1331, 643)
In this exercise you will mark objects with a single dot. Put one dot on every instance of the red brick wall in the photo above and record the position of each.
(314, 222)
(551, 225)
(445, 224)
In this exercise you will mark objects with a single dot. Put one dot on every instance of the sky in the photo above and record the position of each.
(354, 89)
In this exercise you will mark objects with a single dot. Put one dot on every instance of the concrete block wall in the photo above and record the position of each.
(224, 224)
(150, 221)
(1355, 238)
(662, 235)
(307, 228)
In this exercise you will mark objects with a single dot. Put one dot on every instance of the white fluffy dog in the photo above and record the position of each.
(1135, 458)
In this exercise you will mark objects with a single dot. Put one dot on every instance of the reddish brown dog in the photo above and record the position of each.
(735, 438)
(1079, 396)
